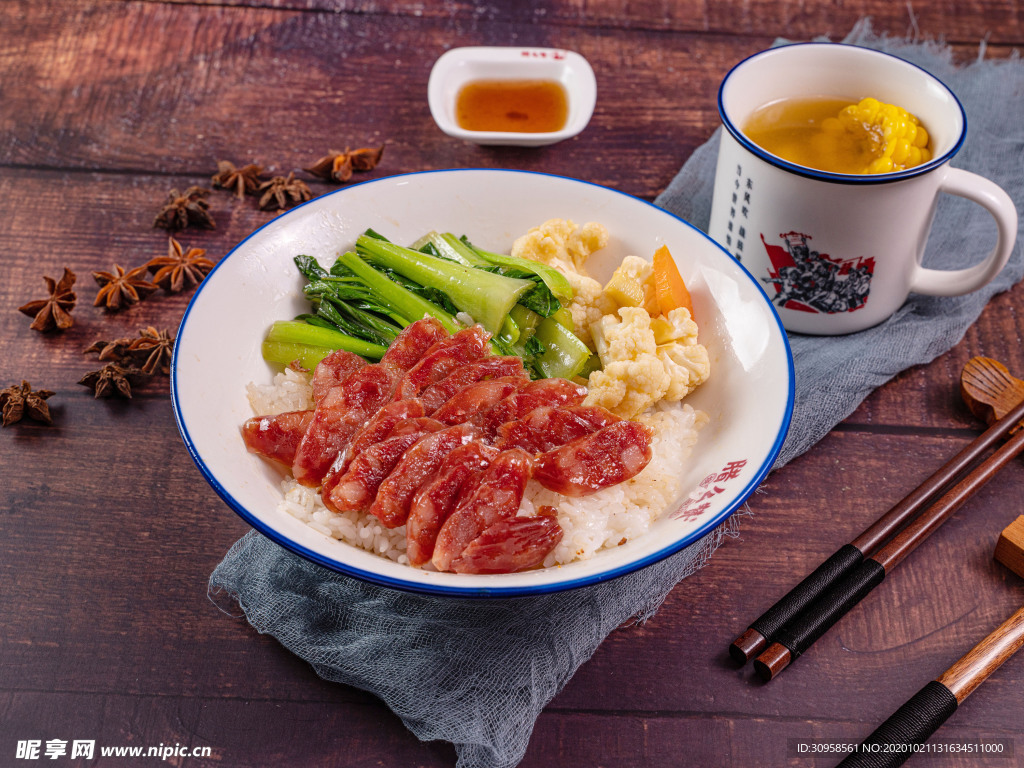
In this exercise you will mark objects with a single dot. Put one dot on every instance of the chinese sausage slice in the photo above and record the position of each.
(276, 437)
(435, 499)
(356, 489)
(419, 464)
(511, 545)
(441, 359)
(496, 495)
(609, 456)
(333, 370)
(343, 411)
(549, 427)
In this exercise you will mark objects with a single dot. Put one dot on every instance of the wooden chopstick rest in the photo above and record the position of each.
(989, 389)
(921, 716)
(800, 633)
(1010, 547)
(848, 557)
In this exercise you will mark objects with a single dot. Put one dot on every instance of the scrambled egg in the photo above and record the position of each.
(562, 244)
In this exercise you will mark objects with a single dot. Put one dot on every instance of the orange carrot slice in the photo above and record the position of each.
(668, 283)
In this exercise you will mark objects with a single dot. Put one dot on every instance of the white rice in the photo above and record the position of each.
(290, 391)
(601, 520)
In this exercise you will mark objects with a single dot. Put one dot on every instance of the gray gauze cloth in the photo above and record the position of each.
(478, 673)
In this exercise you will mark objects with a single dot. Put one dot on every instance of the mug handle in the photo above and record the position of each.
(956, 282)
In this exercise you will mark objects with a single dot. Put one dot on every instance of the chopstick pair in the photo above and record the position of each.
(795, 622)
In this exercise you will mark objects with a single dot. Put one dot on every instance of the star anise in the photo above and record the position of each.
(366, 158)
(54, 311)
(16, 402)
(335, 166)
(121, 289)
(112, 379)
(179, 268)
(114, 349)
(245, 180)
(156, 346)
(338, 166)
(185, 209)
(280, 189)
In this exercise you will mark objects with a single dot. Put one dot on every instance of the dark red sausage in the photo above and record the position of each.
(436, 498)
(395, 418)
(412, 343)
(356, 489)
(417, 466)
(478, 398)
(609, 456)
(510, 545)
(536, 394)
(544, 429)
(441, 359)
(333, 370)
(343, 411)
(495, 497)
(276, 437)
(492, 367)
(380, 426)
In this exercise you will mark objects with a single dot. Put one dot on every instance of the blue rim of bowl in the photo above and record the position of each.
(840, 178)
(497, 591)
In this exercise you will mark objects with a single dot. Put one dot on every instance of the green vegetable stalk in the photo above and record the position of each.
(290, 340)
(400, 299)
(555, 281)
(362, 303)
(485, 296)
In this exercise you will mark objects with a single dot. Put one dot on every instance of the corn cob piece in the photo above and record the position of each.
(899, 140)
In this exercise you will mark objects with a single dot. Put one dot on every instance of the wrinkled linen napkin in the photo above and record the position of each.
(478, 673)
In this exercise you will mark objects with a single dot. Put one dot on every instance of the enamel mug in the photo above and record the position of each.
(838, 253)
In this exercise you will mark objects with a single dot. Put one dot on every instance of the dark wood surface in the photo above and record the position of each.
(108, 533)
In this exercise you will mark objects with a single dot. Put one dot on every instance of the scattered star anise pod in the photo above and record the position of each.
(55, 311)
(245, 180)
(278, 191)
(112, 379)
(179, 268)
(156, 346)
(338, 166)
(366, 158)
(185, 209)
(109, 350)
(17, 402)
(119, 290)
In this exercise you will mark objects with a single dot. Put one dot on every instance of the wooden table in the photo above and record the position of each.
(108, 533)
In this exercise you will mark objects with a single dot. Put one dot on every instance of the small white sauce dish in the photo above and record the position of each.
(463, 65)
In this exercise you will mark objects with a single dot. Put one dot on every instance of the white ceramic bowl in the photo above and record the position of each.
(749, 396)
(462, 65)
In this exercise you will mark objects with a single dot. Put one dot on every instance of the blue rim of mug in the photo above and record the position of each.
(840, 178)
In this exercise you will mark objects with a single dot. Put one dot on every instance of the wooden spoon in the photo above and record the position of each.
(988, 389)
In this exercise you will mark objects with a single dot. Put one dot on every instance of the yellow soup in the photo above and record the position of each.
(838, 136)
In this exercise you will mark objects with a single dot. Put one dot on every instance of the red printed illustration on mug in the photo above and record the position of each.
(808, 281)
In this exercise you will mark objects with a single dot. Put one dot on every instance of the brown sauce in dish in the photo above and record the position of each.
(519, 106)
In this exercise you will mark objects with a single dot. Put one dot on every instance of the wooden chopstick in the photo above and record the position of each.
(800, 633)
(764, 629)
(929, 708)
